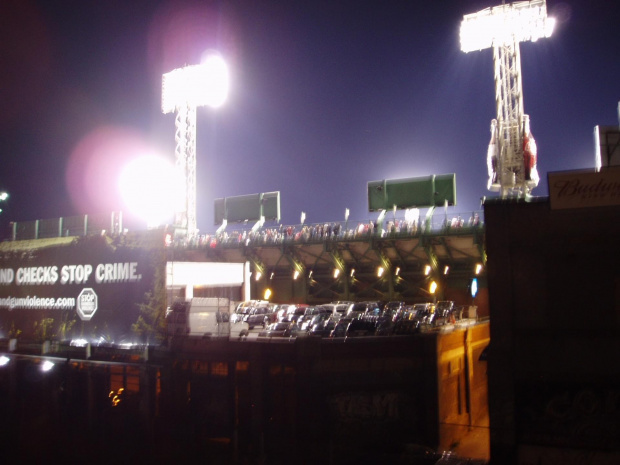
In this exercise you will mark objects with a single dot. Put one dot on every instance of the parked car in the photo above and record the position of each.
(258, 316)
(444, 313)
(361, 327)
(356, 309)
(385, 327)
(307, 325)
(309, 312)
(243, 309)
(278, 329)
(424, 316)
(294, 330)
(339, 307)
(340, 330)
(404, 322)
(324, 327)
(393, 308)
(291, 312)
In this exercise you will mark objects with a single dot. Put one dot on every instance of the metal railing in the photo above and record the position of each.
(66, 227)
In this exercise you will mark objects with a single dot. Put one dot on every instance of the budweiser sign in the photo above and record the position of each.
(584, 189)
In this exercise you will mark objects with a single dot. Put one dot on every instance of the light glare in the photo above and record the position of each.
(505, 25)
(196, 85)
(151, 188)
(47, 366)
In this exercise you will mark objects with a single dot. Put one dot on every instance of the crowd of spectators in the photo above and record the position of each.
(280, 234)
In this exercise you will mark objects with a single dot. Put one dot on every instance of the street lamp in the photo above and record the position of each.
(184, 90)
(3, 198)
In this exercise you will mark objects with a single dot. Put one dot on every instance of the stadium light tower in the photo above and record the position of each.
(511, 157)
(184, 90)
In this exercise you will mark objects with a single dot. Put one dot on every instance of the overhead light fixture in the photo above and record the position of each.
(397, 271)
(271, 275)
(427, 270)
(433, 287)
(258, 275)
(336, 273)
(380, 271)
(446, 270)
(295, 275)
(478, 268)
(352, 271)
(267, 294)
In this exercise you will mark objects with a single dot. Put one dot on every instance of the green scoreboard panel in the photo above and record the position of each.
(420, 192)
(250, 207)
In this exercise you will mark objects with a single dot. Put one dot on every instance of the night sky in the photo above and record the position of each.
(325, 97)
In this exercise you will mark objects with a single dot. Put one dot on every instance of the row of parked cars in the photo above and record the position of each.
(345, 319)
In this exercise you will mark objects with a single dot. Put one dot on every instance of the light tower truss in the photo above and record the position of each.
(183, 91)
(511, 158)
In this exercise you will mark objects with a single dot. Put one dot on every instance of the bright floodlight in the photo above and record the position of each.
(151, 188)
(505, 25)
(196, 86)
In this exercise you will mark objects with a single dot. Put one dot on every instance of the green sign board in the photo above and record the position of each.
(250, 207)
(421, 192)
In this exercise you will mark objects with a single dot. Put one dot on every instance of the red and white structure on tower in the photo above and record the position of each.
(511, 157)
(183, 91)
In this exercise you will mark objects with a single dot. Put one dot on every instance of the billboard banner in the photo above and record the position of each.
(86, 287)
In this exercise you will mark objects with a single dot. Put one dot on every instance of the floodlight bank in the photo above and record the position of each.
(505, 25)
(195, 86)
